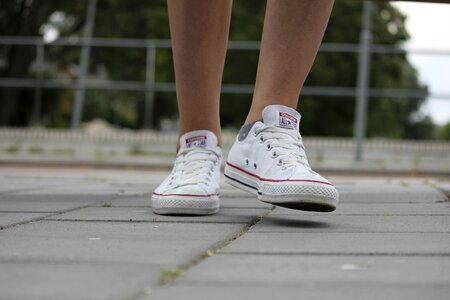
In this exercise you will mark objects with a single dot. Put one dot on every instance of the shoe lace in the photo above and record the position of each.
(287, 145)
(194, 166)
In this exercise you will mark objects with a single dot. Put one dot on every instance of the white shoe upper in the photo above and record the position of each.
(272, 150)
(196, 171)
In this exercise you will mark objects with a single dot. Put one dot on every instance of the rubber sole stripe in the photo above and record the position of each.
(240, 182)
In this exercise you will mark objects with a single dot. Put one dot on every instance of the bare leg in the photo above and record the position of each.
(293, 30)
(199, 30)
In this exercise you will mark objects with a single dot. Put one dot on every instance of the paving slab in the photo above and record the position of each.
(376, 209)
(13, 184)
(49, 202)
(11, 218)
(225, 215)
(300, 223)
(65, 280)
(137, 201)
(390, 193)
(326, 243)
(304, 291)
(241, 269)
(389, 238)
(126, 242)
(443, 186)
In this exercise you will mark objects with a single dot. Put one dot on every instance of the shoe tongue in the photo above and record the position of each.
(281, 116)
(199, 139)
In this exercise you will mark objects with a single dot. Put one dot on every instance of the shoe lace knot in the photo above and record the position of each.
(194, 166)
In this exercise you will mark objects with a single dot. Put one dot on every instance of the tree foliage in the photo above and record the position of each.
(148, 19)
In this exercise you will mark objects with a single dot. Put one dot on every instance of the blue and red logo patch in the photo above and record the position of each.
(196, 141)
(286, 120)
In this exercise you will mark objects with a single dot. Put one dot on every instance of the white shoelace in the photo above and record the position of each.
(194, 166)
(286, 145)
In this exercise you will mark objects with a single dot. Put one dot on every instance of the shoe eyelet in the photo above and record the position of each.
(279, 162)
(274, 154)
(255, 166)
(261, 139)
(268, 147)
(254, 131)
(246, 162)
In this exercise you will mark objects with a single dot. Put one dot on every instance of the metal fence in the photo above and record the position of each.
(361, 91)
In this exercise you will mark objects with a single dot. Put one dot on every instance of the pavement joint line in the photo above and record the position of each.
(56, 213)
(371, 254)
(208, 253)
(41, 186)
(15, 191)
(145, 221)
(368, 215)
(353, 232)
(306, 284)
(391, 202)
(445, 192)
(43, 217)
(70, 261)
(25, 212)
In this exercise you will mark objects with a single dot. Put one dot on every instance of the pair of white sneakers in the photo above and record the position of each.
(268, 159)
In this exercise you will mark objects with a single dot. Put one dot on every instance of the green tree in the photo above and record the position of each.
(25, 18)
(443, 132)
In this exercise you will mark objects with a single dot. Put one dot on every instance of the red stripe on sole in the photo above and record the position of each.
(277, 180)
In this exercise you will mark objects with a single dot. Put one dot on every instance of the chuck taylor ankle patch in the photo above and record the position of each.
(286, 120)
(196, 141)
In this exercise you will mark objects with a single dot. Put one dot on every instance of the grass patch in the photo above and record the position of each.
(207, 254)
(106, 204)
(168, 275)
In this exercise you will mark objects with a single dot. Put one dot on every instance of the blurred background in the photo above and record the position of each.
(92, 82)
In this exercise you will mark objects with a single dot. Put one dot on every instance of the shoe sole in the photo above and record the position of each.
(308, 196)
(185, 205)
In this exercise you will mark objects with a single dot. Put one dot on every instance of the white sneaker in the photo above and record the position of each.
(192, 188)
(268, 159)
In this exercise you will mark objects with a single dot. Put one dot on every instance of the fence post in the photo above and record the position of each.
(363, 80)
(38, 89)
(84, 61)
(149, 85)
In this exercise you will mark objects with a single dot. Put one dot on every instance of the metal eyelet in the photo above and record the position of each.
(274, 154)
(254, 131)
(255, 166)
(261, 139)
(246, 162)
(279, 162)
(268, 147)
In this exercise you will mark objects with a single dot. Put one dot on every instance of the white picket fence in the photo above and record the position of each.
(156, 149)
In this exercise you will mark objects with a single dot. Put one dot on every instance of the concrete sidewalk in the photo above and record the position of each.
(89, 234)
